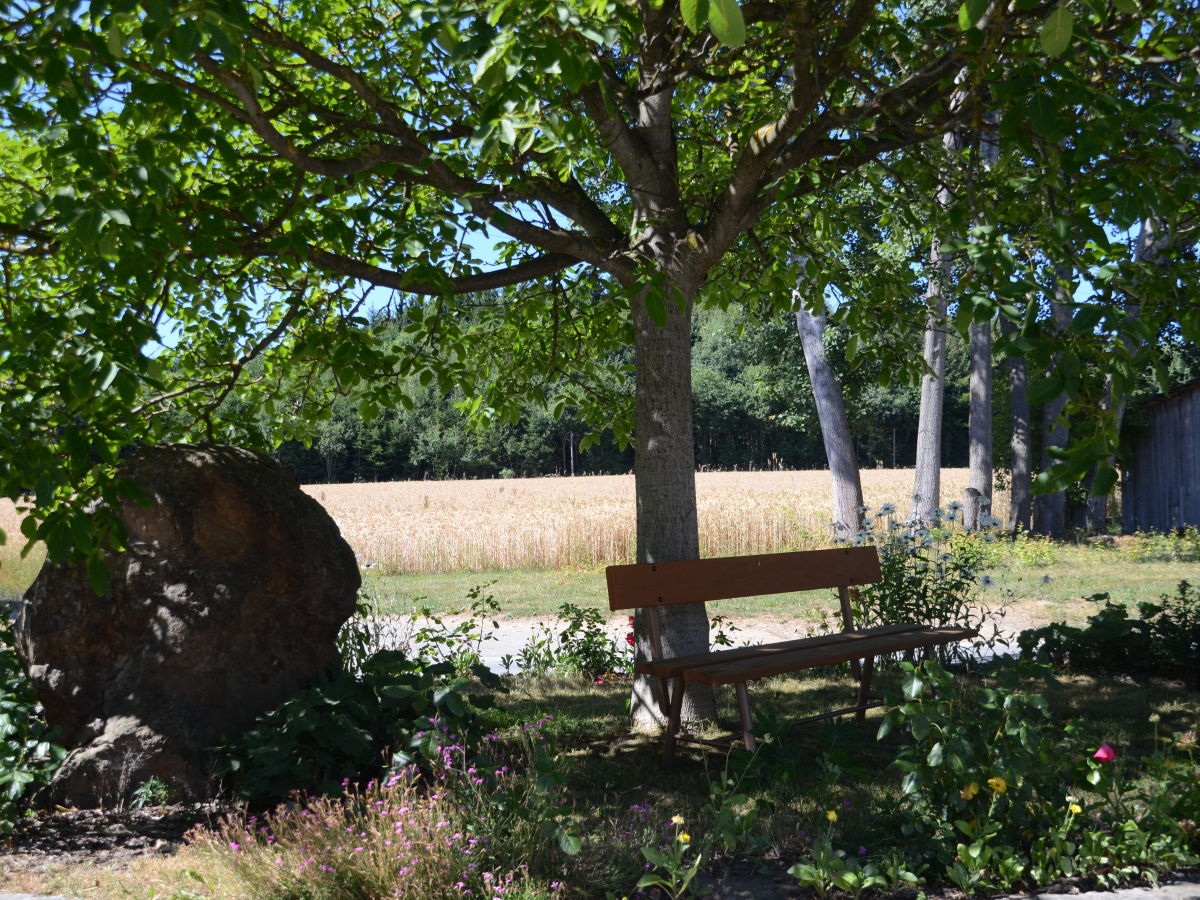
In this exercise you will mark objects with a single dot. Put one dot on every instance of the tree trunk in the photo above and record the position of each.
(978, 500)
(835, 428)
(1152, 245)
(665, 489)
(1050, 510)
(927, 477)
(1020, 499)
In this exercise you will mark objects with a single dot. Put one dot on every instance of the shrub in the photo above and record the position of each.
(1164, 640)
(996, 794)
(1181, 545)
(929, 576)
(394, 838)
(28, 754)
(382, 707)
(578, 645)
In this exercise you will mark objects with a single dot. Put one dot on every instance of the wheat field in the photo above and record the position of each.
(587, 522)
(573, 523)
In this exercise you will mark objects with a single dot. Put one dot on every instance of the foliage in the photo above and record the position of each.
(151, 792)
(392, 838)
(674, 867)
(998, 795)
(931, 576)
(516, 802)
(1182, 545)
(28, 754)
(204, 197)
(434, 641)
(382, 706)
(363, 635)
(578, 645)
(1164, 639)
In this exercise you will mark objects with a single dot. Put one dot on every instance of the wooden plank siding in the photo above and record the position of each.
(1161, 488)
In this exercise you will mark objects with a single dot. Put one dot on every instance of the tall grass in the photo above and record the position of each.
(587, 522)
(557, 523)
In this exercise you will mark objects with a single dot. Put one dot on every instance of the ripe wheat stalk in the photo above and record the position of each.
(588, 522)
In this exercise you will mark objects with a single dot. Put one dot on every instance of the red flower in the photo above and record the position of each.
(1105, 754)
(629, 639)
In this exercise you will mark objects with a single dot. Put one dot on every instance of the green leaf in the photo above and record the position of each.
(569, 843)
(695, 14)
(98, 574)
(1105, 481)
(656, 857)
(1056, 32)
(970, 13)
(1127, 6)
(935, 754)
(1044, 389)
(725, 20)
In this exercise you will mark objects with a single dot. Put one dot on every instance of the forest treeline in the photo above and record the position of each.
(754, 410)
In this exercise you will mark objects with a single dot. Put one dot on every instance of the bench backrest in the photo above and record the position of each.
(728, 577)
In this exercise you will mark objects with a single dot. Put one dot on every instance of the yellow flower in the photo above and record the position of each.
(831, 815)
(684, 837)
(998, 784)
(969, 791)
(1075, 808)
(676, 820)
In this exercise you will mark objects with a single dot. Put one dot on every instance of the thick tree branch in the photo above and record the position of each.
(528, 270)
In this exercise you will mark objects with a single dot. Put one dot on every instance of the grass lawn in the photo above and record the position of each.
(1040, 593)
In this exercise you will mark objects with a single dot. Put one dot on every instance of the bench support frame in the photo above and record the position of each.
(650, 586)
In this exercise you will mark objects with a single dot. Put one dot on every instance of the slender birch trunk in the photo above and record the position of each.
(977, 501)
(1153, 244)
(927, 485)
(835, 427)
(1020, 496)
(1050, 510)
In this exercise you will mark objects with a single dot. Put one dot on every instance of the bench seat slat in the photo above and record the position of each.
(850, 647)
(673, 666)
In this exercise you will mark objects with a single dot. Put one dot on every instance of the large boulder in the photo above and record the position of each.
(227, 601)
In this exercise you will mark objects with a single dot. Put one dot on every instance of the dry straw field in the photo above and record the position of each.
(570, 523)
(586, 522)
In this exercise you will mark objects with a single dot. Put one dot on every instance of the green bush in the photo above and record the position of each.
(1164, 640)
(28, 754)
(578, 645)
(382, 708)
(929, 576)
(1181, 545)
(998, 795)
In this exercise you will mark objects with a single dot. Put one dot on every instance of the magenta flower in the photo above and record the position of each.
(1105, 754)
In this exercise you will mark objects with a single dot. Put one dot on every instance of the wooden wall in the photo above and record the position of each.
(1161, 489)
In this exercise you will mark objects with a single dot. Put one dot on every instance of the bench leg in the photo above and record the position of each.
(673, 717)
(747, 723)
(864, 688)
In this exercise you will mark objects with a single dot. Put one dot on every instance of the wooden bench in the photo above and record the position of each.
(648, 586)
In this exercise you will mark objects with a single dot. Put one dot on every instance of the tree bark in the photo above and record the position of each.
(1050, 510)
(1153, 243)
(927, 476)
(665, 489)
(977, 501)
(835, 427)
(1020, 506)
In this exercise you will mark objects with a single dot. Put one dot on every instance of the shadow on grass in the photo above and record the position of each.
(800, 773)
